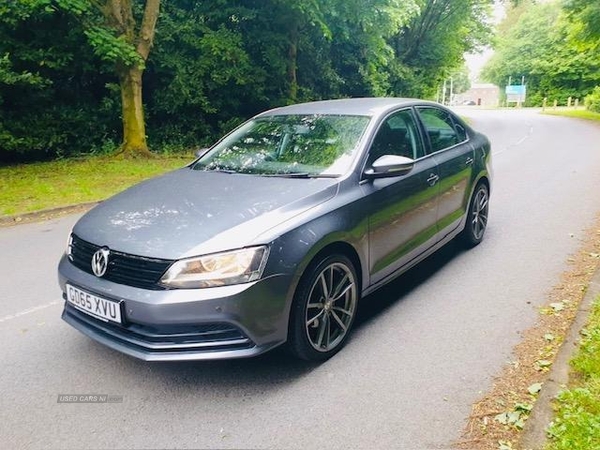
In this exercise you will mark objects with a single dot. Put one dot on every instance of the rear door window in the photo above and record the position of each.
(397, 135)
(439, 127)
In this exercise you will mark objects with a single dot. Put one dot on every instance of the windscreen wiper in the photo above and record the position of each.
(291, 175)
(221, 170)
(300, 175)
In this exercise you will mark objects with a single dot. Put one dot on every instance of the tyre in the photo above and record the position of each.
(477, 217)
(324, 309)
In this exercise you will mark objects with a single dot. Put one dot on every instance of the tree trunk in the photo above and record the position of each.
(292, 63)
(134, 128)
(119, 16)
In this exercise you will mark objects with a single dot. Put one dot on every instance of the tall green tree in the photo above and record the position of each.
(585, 17)
(122, 32)
(201, 80)
(137, 32)
(72, 71)
(460, 79)
(541, 48)
(361, 51)
(431, 45)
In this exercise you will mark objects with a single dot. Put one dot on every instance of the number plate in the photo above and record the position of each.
(99, 307)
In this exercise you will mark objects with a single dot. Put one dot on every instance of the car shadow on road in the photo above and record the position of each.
(277, 368)
(391, 294)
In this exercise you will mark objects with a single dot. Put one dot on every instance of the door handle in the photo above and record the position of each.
(469, 161)
(433, 178)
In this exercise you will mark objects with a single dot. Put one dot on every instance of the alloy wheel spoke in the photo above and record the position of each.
(315, 305)
(324, 285)
(342, 310)
(339, 321)
(477, 230)
(322, 328)
(482, 202)
(339, 286)
(331, 276)
(328, 332)
(483, 219)
(343, 293)
(316, 317)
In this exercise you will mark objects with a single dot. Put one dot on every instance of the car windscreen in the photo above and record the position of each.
(289, 145)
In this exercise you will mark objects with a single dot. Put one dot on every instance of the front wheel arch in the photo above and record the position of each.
(342, 248)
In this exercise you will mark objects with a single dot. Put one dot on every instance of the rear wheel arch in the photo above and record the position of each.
(485, 180)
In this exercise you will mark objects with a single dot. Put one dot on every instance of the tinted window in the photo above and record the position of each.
(462, 133)
(397, 135)
(440, 128)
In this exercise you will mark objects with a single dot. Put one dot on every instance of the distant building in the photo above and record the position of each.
(484, 94)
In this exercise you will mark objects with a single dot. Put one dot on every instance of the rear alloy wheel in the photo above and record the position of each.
(324, 309)
(477, 217)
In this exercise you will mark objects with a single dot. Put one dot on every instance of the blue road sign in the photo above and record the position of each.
(516, 89)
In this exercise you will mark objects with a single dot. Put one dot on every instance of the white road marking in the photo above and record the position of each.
(519, 142)
(29, 311)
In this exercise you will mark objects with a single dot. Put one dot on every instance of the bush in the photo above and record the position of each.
(592, 101)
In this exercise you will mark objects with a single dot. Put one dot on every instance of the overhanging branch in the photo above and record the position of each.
(147, 30)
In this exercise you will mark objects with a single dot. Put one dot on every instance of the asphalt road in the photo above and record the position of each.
(424, 349)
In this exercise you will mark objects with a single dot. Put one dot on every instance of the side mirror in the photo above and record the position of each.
(390, 166)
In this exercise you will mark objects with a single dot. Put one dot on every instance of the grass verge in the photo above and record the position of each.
(33, 187)
(577, 419)
(578, 114)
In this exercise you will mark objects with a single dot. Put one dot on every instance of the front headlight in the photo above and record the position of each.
(218, 269)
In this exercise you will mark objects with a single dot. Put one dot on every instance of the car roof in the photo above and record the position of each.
(349, 106)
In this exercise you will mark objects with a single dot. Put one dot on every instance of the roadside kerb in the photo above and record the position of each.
(46, 214)
(534, 433)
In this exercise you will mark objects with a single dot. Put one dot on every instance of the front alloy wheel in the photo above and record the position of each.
(324, 309)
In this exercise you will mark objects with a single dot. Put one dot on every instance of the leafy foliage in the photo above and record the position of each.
(577, 422)
(585, 16)
(592, 101)
(432, 44)
(213, 64)
(53, 95)
(111, 48)
(542, 46)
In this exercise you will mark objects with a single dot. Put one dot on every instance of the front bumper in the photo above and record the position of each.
(185, 324)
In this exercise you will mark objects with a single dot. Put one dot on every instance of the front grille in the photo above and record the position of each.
(131, 270)
(200, 338)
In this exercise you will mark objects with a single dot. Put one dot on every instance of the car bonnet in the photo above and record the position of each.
(188, 212)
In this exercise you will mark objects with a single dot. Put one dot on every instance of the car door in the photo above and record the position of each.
(454, 155)
(402, 209)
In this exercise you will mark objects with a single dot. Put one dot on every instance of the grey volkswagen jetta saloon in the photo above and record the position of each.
(275, 233)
